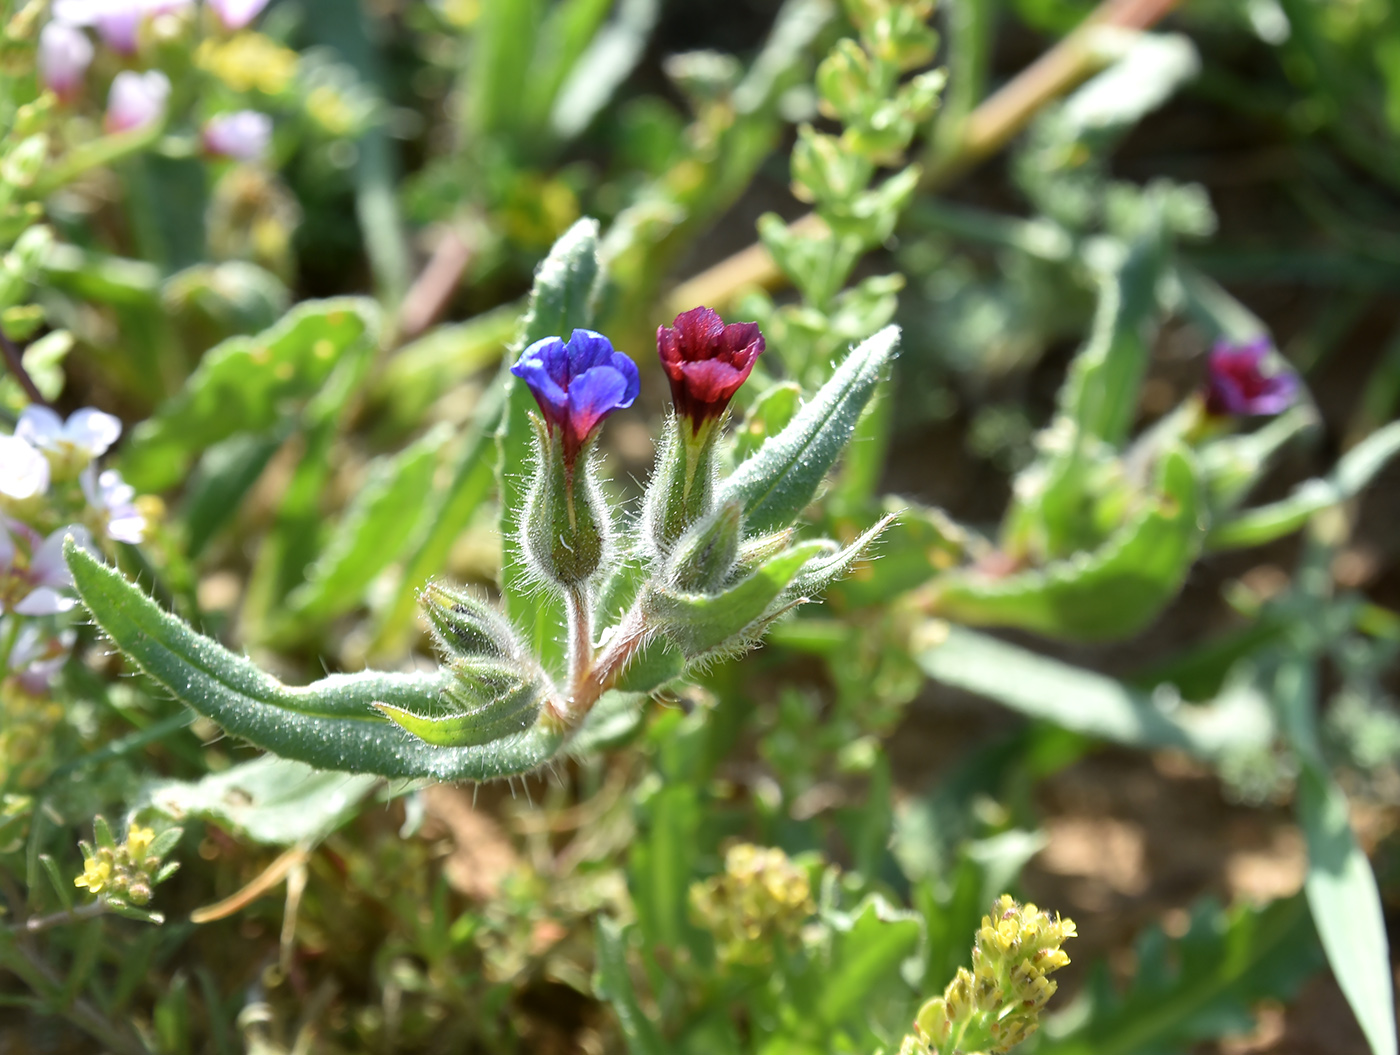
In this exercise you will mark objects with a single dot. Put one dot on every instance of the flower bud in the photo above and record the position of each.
(136, 100)
(465, 625)
(682, 485)
(1238, 385)
(64, 55)
(706, 362)
(704, 557)
(565, 518)
(242, 136)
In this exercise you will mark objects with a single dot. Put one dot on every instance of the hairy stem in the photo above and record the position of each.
(580, 637)
(626, 641)
(34, 924)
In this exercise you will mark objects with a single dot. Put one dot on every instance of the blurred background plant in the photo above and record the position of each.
(261, 265)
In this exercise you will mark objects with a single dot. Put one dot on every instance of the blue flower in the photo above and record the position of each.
(577, 384)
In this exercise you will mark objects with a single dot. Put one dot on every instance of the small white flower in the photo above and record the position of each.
(242, 135)
(112, 497)
(136, 100)
(36, 658)
(36, 586)
(64, 55)
(24, 471)
(88, 433)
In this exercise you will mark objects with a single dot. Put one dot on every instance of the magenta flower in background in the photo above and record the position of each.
(706, 361)
(111, 497)
(577, 384)
(24, 471)
(243, 135)
(235, 14)
(136, 100)
(64, 55)
(1237, 385)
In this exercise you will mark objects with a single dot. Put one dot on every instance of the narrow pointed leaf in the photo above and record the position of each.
(1357, 468)
(700, 623)
(778, 482)
(330, 724)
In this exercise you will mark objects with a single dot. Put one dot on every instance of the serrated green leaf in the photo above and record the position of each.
(1195, 987)
(245, 385)
(1357, 468)
(330, 724)
(1111, 593)
(560, 302)
(778, 482)
(701, 623)
(1084, 701)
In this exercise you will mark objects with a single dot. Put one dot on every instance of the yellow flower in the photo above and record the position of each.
(138, 841)
(96, 874)
(249, 61)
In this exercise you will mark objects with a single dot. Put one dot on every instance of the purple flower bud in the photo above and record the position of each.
(136, 100)
(235, 14)
(64, 54)
(577, 384)
(242, 136)
(706, 361)
(1237, 385)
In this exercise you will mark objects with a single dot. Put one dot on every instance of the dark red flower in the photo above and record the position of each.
(706, 361)
(1236, 383)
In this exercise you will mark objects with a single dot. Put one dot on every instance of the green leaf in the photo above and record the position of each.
(487, 699)
(869, 948)
(1196, 987)
(560, 302)
(1101, 392)
(268, 800)
(662, 862)
(699, 623)
(821, 572)
(330, 724)
(221, 480)
(1111, 593)
(613, 982)
(602, 68)
(1354, 471)
(768, 416)
(1086, 702)
(245, 385)
(1346, 907)
(778, 482)
(372, 532)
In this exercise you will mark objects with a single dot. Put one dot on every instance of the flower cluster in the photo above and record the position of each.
(762, 897)
(124, 874)
(137, 100)
(997, 1004)
(51, 488)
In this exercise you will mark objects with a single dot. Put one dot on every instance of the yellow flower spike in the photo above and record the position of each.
(997, 1004)
(760, 896)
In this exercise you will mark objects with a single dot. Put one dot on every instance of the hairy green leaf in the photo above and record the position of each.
(330, 724)
(778, 482)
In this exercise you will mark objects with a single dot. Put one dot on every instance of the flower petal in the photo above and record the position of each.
(24, 471)
(45, 601)
(92, 430)
(39, 426)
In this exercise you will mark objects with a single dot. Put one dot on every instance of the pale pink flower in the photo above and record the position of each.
(136, 100)
(235, 14)
(24, 471)
(243, 135)
(64, 55)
